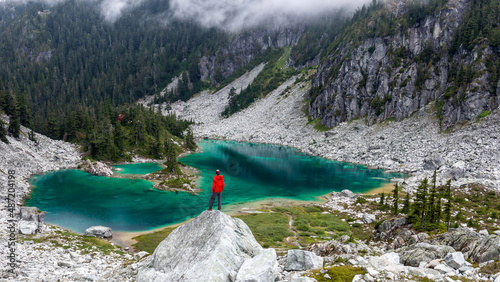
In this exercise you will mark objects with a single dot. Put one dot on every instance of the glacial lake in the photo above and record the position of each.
(77, 200)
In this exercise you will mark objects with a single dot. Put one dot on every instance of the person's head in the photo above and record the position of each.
(217, 172)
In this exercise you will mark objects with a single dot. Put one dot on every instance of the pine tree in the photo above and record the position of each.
(14, 124)
(189, 142)
(53, 126)
(432, 200)
(3, 133)
(382, 198)
(447, 206)
(406, 205)
(420, 207)
(24, 109)
(395, 194)
(170, 152)
(31, 136)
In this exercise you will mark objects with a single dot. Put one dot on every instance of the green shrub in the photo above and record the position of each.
(360, 200)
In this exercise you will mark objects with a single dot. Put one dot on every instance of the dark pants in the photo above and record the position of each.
(212, 198)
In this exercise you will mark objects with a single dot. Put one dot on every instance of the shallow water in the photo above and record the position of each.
(139, 168)
(76, 200)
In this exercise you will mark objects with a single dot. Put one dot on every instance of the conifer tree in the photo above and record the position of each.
(382, 198)
(447, 206)
(420, 207)
(170, 153)
(189, 142)
(3, 133)
(395, 194)
(31, 136)
(433, 200)
(24, 110)
(14, 124)
(406, 205)
(53, 126)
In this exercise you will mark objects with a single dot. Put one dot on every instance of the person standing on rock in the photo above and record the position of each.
(217, 187)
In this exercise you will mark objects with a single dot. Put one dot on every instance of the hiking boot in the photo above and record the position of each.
(209, 209)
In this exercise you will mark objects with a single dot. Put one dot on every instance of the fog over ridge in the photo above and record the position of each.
(228, 15)
(236, 15)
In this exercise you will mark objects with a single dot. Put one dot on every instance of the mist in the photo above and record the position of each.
(228, 15)
(237, 15)
(111, 10)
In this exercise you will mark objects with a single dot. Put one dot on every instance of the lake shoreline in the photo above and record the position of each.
(126, 238)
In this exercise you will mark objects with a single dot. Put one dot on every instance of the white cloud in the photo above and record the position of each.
(234, 15)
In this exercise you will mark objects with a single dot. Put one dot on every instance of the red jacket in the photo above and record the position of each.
(218, 184)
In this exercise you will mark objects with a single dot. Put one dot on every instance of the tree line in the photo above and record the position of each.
(431, 207)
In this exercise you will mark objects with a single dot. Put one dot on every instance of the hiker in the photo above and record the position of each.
(217, 187)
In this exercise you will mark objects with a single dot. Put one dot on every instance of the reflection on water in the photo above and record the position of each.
(77, 200)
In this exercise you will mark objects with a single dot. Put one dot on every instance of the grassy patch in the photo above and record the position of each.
(317, 125)
(482, 115)
(338, 273)
(176, 182)
(269, 229)
(491, 268)
(149, 242)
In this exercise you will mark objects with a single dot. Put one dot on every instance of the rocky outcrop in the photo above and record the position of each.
(244, 48)
(97, 168)
(99, 231)
(422, 252)
(476, 247)
(302, 260)
(213, 246)
(397, 75)
(31, 220)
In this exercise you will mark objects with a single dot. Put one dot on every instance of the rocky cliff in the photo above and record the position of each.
(396, 71)
(243, 49)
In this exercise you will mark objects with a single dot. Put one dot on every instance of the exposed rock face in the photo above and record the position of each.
(243, 49)
(422, 252)
(31, 220)
(261, 268)
(97, 168)
(476, 247)
(384, 77)
(213, 246)
(99, 231)
(302, 260)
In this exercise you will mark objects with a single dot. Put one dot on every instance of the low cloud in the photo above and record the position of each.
(112, 10)
(235, 15)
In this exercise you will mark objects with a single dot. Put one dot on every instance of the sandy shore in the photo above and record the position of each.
(386, 188)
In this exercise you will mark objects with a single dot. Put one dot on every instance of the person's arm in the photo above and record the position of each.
(213, 184)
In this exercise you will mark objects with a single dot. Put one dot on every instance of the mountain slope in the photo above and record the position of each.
(397, 57)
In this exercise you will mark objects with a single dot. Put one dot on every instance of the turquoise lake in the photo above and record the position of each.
(138, 168)
(77, 200)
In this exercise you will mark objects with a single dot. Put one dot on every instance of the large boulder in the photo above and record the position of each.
(302, 260)
(31, 220)
(212, 247)
(415, 254)
(261, 268)
(98, 231)
(455, 260)
(389, 262)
